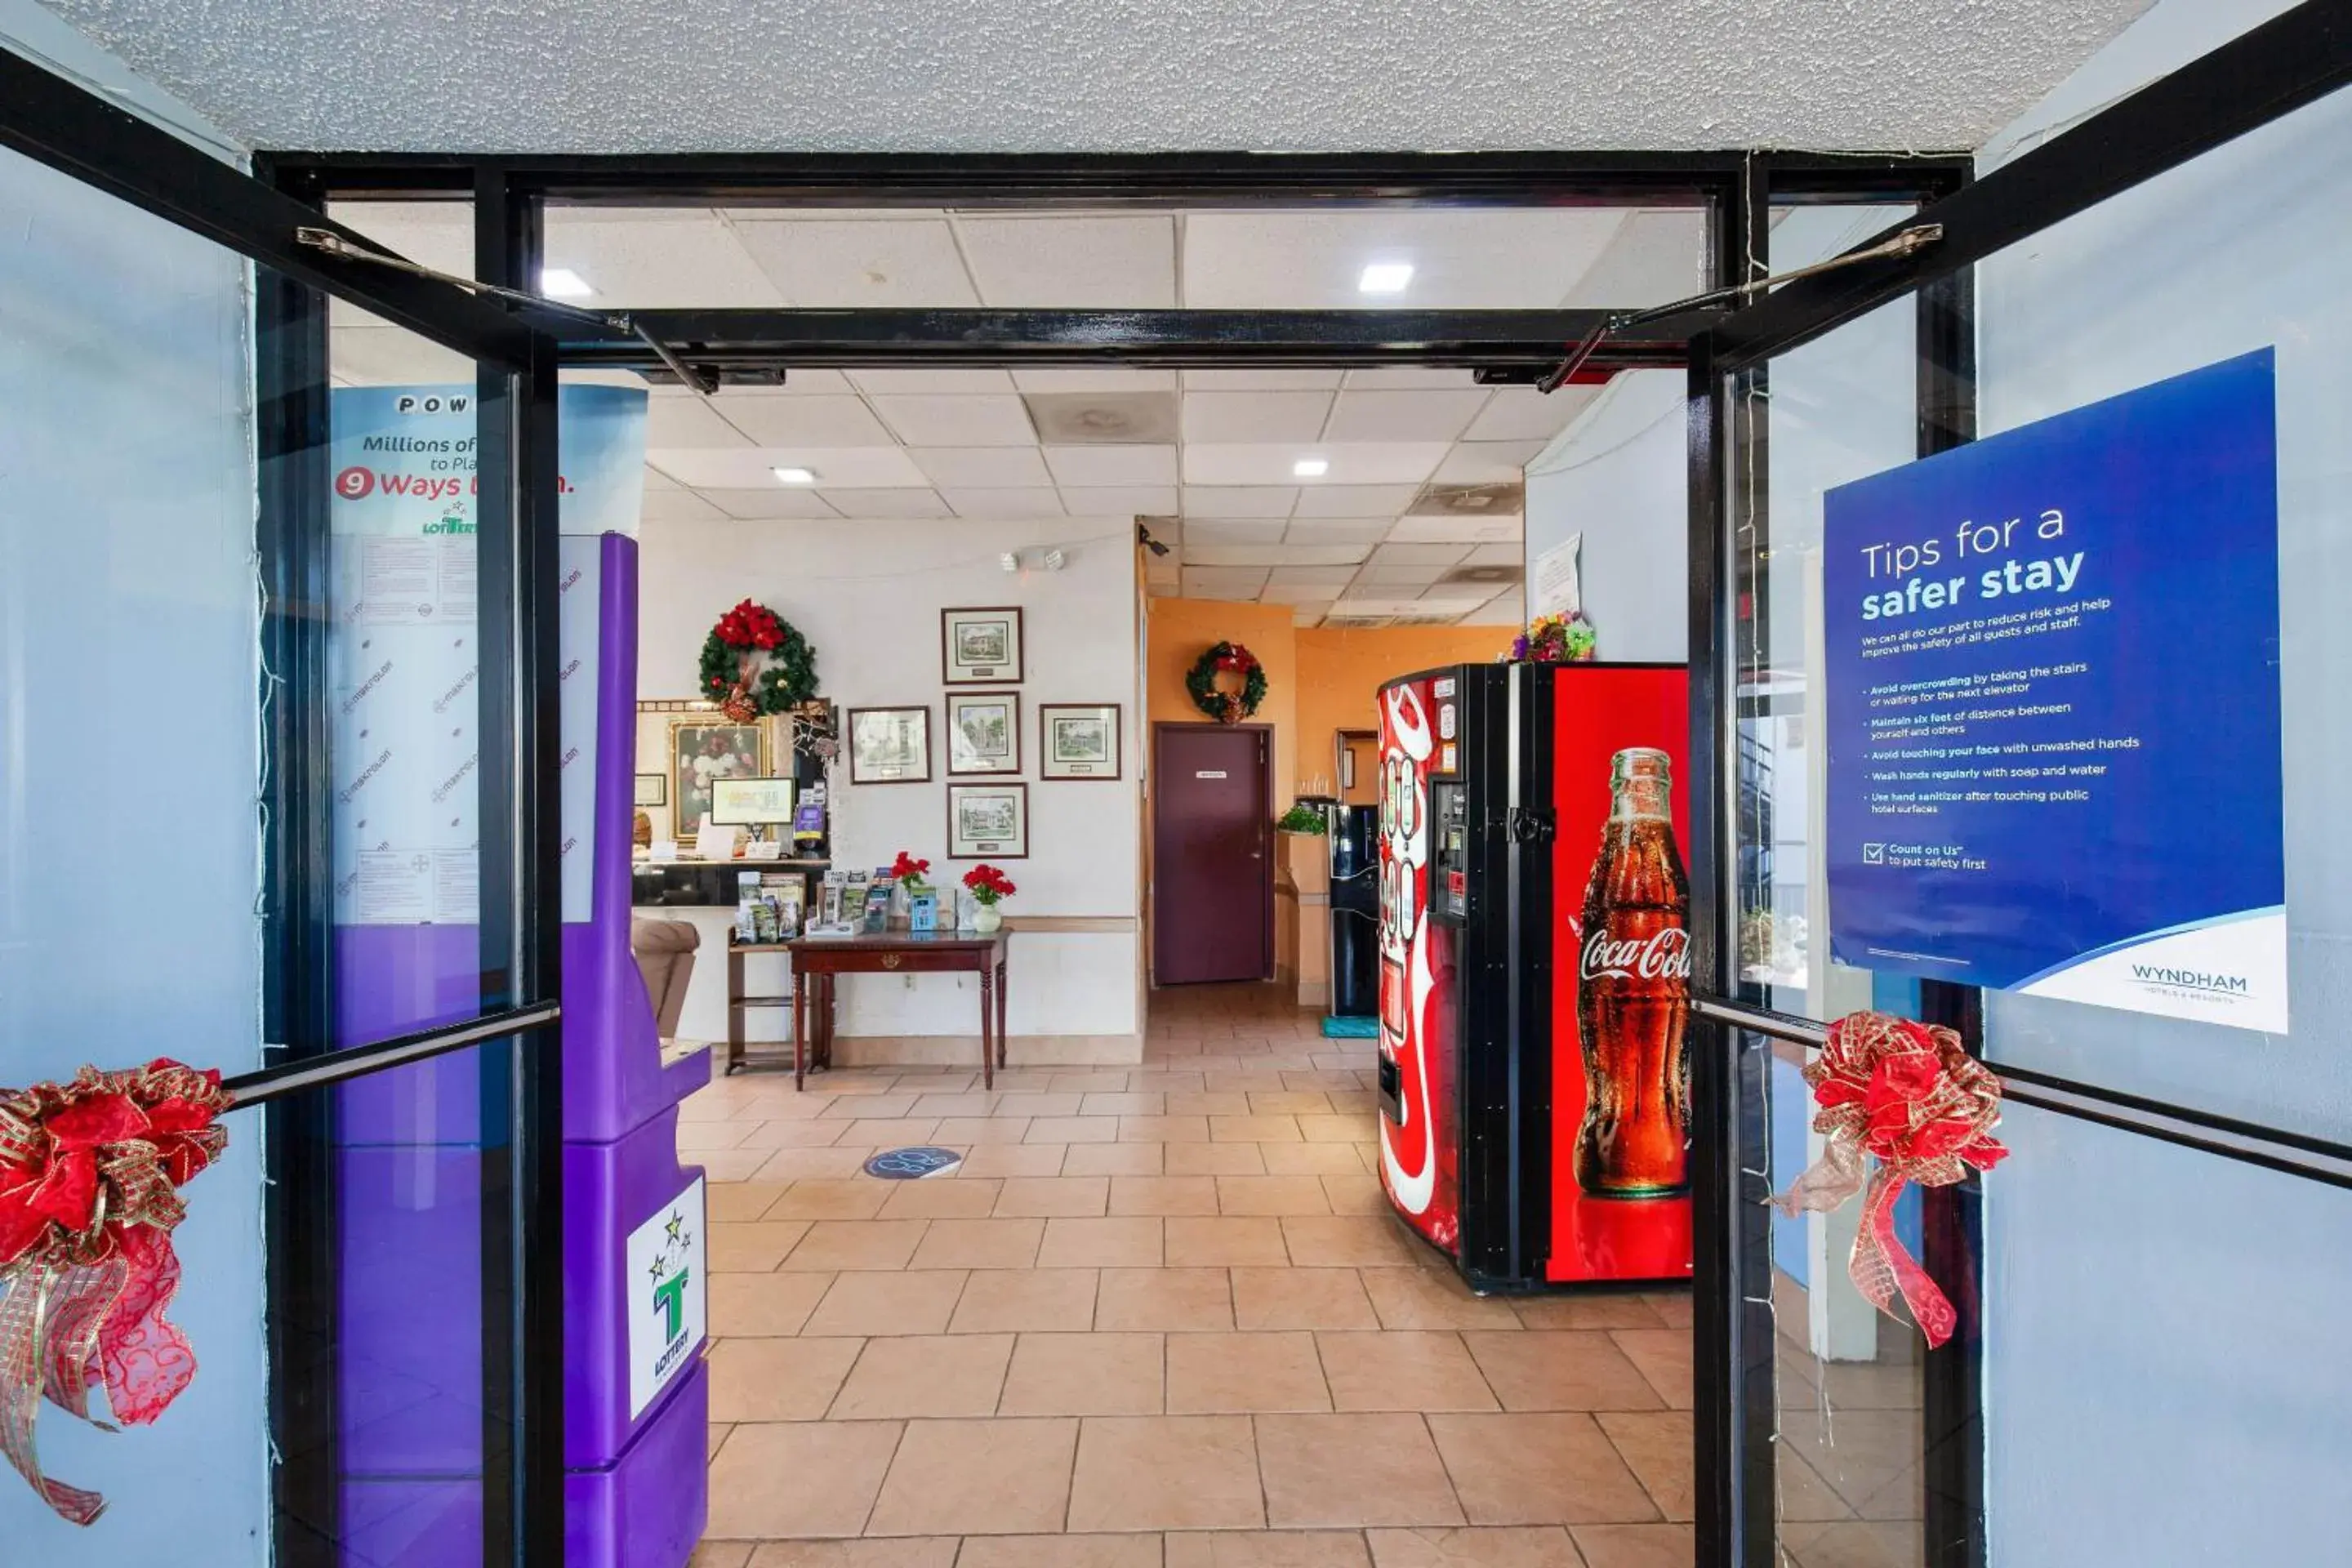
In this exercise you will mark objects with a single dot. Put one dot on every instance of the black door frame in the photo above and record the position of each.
(1264, 732)
(57, 123)
(2270, 71)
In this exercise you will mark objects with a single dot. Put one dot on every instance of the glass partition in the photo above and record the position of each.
(2143, 1370)
(248, 709)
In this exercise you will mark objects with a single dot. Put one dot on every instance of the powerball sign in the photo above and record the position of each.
(2054, 708)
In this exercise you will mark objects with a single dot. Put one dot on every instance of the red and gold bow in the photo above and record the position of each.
(89, 1179)
(1908, 1094)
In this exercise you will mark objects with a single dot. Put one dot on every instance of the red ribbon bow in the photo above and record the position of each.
(89, 1179)
(1908, 1094)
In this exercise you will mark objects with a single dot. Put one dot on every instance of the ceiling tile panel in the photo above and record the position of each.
(1278, 555)
(1403, 415)
(753, 468)
(1224, 582)
(775, 501)
(1524, 258)
(1308, 581)
(956, 421)
(798, 384)
(1496, 556)
(1086, 378)
(1262, 380)
(999, 467)
(1412, 378)
(1656, 257)
(889, 382)
(1233, 532)
(387, 355)
(1419, 555)
(672, 504)
(1255, 416)
(1502, 610)
(1004, 503)
(889, 503)
(1115, 500)
(1306, 614)
(1523, 414)
(1338, 530)
(1210, 501)
(1401, 576)
(1360, 463)
(1356, 500)
(1495, 531)
(808, 421)
(1073, 263)
(1112, 465)
(682, 419)
(683, 262)
(823, 263)
(1486, 462)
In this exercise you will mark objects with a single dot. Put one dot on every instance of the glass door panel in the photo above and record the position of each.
(260, 786)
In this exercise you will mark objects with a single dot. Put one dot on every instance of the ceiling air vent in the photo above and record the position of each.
(1359, 623)
(1469, 501)
(1493, 576)
(1103, 418)
(1445, 620)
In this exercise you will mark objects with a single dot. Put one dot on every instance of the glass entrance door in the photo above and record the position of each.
(274, 715)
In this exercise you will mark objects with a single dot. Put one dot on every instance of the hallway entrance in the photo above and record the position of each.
(1159, 1316)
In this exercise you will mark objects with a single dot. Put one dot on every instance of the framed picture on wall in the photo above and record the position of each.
(889, 746)
(988, 822)
(1079, 740)
(980, 647)
(652, 789)
(705, 748)
(983, 732)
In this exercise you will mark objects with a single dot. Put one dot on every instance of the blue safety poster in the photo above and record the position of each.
(2053, 707)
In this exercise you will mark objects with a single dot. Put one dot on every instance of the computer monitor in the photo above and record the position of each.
(752, 803)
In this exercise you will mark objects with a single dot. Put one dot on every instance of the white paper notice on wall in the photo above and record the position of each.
(1558, 589)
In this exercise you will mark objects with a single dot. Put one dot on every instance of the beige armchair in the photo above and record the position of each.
(665, 954)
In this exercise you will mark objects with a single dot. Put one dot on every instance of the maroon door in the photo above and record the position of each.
(1212, 854)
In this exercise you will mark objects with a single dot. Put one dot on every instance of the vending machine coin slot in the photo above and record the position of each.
(1449, 878)
(1392, 1093)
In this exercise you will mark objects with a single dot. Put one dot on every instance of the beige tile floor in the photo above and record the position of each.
(1158, 1318)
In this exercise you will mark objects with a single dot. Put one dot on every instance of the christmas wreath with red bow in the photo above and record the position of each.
(1226, 658)
(755, 664)
(89, 1179)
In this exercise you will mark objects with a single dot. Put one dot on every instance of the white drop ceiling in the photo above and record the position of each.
(1415, 514)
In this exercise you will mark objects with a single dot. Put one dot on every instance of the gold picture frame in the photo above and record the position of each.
(690, 760)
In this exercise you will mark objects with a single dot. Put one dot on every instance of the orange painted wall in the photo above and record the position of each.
(1318, 681)
(1340, 672)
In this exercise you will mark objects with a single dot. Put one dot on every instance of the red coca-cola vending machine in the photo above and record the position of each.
(1534, 967)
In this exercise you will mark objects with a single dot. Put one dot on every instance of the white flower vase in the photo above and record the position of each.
(989, 920)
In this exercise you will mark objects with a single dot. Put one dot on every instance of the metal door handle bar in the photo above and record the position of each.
(358, 1061)
(2290, 1153)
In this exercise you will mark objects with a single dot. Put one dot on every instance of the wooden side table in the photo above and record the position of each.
(816, 960)
(738, 1002)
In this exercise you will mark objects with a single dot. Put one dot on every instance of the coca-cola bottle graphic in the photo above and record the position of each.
(1632, 994)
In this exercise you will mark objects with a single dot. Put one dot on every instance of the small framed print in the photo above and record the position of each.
(652, 789)
(983, 732)
(1079, 740)
(988, 822)
(889, 746)
(980, 647)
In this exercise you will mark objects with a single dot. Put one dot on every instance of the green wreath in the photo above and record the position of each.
(734, 675)
(1227, 706)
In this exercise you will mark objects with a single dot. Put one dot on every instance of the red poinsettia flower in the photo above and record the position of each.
(988, 884)
(906, 869)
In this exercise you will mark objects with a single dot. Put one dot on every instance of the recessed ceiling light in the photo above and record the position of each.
(1385, 278)
(1311, 468)
(562, 283)
(795, 476)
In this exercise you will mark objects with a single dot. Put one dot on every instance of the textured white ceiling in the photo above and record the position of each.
(618, 76)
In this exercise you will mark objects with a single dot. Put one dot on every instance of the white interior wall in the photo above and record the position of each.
(1618, 474)
(868, 594)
